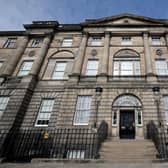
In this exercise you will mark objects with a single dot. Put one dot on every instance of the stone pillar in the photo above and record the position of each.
(79, 59)
(148, 59)
(104, 59)
(41, 55)
(10, 65)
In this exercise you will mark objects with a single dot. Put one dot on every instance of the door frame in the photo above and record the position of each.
(121, 111)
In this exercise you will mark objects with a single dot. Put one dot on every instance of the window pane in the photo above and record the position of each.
(67, 43)
(126, 41)
(92, 67)
(126, 68)
(165, 102)
(161, 67)
(10, 43)
(3, 104)
(25, 68)
(96, 41)
(156, 41)
(59, 70)
(45, 112)
(82, 110)
(36, 42)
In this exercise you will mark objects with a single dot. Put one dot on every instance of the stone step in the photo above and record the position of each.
(128, 151)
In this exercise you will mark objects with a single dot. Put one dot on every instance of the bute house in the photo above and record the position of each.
(65, 88)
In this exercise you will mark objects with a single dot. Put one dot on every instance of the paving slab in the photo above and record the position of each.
(83, 165)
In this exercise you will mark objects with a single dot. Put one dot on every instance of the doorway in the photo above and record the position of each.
(127, 124)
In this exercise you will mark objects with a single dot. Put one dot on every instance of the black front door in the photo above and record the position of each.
(127, 124)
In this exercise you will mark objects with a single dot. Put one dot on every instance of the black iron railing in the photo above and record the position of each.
(74, 143)
(159, 137)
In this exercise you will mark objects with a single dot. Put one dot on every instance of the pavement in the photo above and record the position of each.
(83, 165)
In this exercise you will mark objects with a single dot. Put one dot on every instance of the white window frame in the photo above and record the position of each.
(126, 40)
(96, 41)
(118, 66)
(10, 43)
(36, 42)
(165, 105)
(25, 69)
(161, 68)
(82, 110)
(139, 111)
(3, 104)
(1, 63)
(42, 111)
(156, 40)
(58, 71)
(75, 154)
(116, 113)
(92, 67)
(67, 42)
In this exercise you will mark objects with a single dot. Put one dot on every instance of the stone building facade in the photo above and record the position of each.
(49, 73)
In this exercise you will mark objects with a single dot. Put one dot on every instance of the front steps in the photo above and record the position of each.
(130, 151)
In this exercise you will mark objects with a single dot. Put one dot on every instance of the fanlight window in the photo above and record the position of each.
(127, 101)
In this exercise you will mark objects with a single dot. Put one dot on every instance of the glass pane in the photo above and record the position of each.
(82, 110)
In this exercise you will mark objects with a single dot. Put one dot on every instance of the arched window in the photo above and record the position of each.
(126, 63)
(59, 66)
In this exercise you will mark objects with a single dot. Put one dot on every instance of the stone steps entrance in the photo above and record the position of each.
(128, 151)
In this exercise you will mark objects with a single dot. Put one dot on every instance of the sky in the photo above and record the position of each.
(15, 13)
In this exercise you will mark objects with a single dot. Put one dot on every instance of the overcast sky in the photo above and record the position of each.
(15, 13)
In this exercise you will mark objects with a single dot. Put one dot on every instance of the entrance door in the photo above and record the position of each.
(127, 124)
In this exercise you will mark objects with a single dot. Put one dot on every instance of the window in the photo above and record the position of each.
(36, 42)
(156, 41)
(45, 112)
(161, 67)
(25, 68)
(10, 43)
(165, 103)
(82, 110)
(3, 103)
(122, 68)
(139, 117)
(75, 154)
(92, 67)
(96, 41)
(114, 123)
(1, 63)
(67, 42)
(59, 70)
(126, 40)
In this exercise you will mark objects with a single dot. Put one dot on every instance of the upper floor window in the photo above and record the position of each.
(36, 42)
(165, 103)
(45, 112)
(83, 108)
(10, 43)
(126, 40)
(25, 68)
(92, 67)
(59, 70)
(96, 41)
(161, 67)
(156, 40)
(122, 68)
(3, 103)
(67, 42)
(1, 63)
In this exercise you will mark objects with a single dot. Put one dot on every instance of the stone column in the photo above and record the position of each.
(10, 65)
(148, 59)
(41, 55)
(79, 59)
(104, 59)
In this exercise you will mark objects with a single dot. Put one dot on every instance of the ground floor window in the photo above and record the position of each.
(75, 154)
